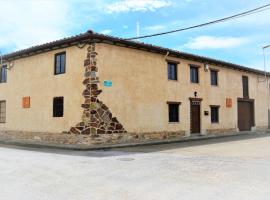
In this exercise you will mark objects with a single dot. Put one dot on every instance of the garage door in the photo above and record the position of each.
(245, 115)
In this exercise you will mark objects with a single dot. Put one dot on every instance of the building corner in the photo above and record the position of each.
(97, 119)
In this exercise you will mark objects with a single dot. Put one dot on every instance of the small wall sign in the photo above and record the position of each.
(26, 102)
(228, 102)
(107, 83)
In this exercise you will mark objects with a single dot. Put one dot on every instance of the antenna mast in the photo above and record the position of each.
(138, 29)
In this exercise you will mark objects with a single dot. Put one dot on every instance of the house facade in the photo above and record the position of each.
(94, 84)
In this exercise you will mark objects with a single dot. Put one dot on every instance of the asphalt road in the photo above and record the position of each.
(229, 168)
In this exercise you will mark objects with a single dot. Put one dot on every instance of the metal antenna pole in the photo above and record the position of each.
(138, 28)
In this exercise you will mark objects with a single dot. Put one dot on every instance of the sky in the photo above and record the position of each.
(24, 23)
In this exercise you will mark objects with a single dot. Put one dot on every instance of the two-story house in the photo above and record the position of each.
(101, 85)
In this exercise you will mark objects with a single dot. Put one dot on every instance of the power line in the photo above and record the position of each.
(246, 13)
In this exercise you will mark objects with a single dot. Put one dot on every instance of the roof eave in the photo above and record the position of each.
(94, 37)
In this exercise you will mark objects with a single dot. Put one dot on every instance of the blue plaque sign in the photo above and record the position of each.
(107, 83)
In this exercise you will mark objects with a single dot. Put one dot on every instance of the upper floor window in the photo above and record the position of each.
(172, 71)
(245, 87)
(58, 107)
(3, 74)
(214, 77)
(214, 114)
(2, 111)
(173, 111)
(60, 63)
(194, 74)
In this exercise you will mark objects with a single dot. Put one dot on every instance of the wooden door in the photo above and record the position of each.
(245, 115)
(195, 117)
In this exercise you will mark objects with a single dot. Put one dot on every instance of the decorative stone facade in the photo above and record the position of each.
(97, 119)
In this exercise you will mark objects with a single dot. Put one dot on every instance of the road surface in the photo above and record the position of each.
(231, 168)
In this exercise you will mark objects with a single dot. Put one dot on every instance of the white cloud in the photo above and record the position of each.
(27, 23)
(107, 31)
(210, 42)
(155, 28)
(137, 5)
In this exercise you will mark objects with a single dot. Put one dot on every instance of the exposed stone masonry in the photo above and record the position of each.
(97, 118)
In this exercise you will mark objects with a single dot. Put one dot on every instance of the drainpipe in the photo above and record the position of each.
(267, 83)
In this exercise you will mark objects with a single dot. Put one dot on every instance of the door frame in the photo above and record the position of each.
(195, 101)
(252, 114)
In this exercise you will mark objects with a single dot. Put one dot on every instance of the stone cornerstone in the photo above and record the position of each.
(97, 119)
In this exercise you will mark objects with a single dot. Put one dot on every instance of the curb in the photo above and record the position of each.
(82, 147)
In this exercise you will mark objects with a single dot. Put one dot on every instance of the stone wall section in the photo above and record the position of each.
(97, 119)
(220, 131)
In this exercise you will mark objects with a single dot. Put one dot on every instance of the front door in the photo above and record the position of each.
(195, 117)
(245, 115)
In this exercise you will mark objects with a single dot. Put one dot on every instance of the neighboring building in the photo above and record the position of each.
(128, 87)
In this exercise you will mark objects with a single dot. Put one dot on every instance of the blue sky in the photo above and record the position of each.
(25, 23)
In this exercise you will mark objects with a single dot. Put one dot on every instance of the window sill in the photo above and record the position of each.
(174, 122)
(173, 80)
(59, 74)
(216, 123)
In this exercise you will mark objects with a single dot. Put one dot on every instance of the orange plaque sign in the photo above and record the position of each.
(26, 102)
(228, 102)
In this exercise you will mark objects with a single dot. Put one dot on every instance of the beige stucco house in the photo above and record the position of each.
(95, 84)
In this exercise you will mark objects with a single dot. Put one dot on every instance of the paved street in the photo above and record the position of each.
(229, 168)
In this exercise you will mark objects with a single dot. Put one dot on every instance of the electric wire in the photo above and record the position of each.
(243, 14)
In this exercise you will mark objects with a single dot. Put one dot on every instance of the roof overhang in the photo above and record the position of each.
(90, 37)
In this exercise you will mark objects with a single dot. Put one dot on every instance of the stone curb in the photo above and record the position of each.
(81, 147)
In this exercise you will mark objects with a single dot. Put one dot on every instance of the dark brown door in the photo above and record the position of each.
(195, 118)
(245, 115)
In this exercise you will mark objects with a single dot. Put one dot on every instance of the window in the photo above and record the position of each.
(2, 111)
(60, 63)
(194, 74)
(214, 77)
(214, 114)
(245, 87)
(58, 107)
(172, 71)
(173, 112)
(3, 74)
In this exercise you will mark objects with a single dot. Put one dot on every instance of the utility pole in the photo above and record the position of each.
(267, 82)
